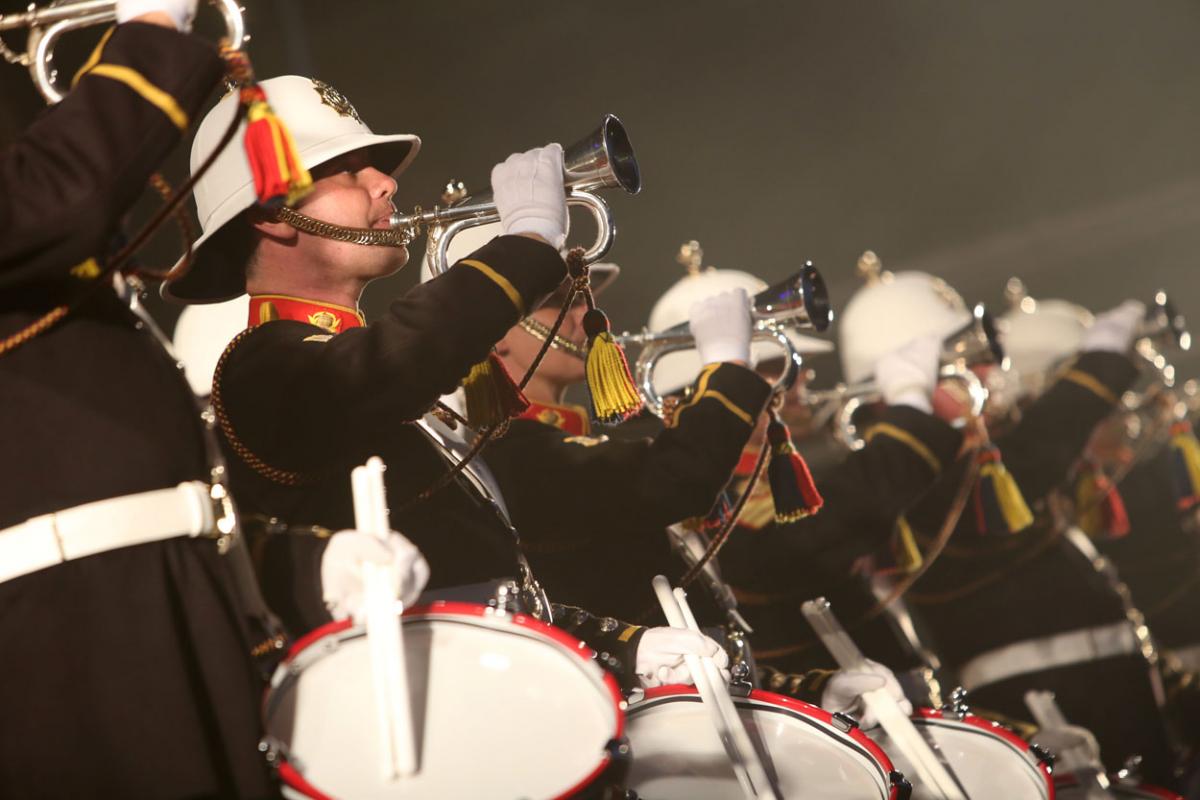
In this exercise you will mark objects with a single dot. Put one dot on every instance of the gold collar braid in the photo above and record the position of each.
(539, 331)
(382, 237)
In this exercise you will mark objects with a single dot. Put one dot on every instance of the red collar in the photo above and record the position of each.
(572, 419)
(327, 316)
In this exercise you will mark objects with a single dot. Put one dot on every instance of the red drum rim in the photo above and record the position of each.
(791, 704)
(995, 729)
(449, 610)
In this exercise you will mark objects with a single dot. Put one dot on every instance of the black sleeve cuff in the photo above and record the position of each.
(1114, 371)
(517, 265)
(742, 391)
(183, 66)
(924, 433)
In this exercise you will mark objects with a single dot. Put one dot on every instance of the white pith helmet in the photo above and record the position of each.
(678, 369)
(201, 335)
(892, 310)
(1038, 335)
(473, 238)
(323, 125)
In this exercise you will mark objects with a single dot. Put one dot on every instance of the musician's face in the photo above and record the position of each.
(349, 191)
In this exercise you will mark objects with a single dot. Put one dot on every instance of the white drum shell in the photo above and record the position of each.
(989, 765)
(677, 755)
(500, 710)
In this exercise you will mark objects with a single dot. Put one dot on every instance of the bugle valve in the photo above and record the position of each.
(799, 302)
(46, 25)
(602, 160)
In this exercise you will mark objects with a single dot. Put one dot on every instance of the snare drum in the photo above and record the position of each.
(503, 706)
(990, 761)
(809, 753)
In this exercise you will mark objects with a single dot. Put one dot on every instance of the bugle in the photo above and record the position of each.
(976, 344)
(47, 24)
(602, 160)
(799, 302)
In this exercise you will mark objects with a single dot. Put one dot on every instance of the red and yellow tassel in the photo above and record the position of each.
(792, 487)
(279, 177)
(1099, 509)
(1185, 465)
(492, 397)
(999, 505)
(614, 397)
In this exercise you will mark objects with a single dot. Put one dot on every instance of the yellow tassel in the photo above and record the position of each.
(1185, 465)
(614, 396)
(491, 395)
(997, 494)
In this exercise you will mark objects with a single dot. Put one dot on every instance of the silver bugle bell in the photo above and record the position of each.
(799, 302)
(602, 160)
(975, 344)
(1163, 330)
(47, 24)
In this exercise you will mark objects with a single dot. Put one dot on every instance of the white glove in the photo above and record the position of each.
(181, 11)
(908, 375)
(844, 691)
(530, 196)
(342, 569)
(721, 327)
(1113, 329)
(660, 656)
(1070, 738)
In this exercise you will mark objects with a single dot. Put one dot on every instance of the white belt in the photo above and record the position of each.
(1048, 652)
(40, 542)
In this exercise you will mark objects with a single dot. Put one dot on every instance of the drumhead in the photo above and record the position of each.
(990, 761)
(677, 755)
(503, 706)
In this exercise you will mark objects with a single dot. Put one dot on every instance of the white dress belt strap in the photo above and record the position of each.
(1049, 652)
(97, 527)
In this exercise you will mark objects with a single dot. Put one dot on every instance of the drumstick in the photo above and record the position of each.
(931, 772)
(711, 686)
(384, 638)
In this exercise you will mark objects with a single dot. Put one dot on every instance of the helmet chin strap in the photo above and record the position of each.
(539, 331)
(378, 237)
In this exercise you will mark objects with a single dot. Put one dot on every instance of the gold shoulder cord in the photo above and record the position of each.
(274, 474)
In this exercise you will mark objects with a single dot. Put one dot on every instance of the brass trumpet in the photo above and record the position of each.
(975, 344)
(602, 160)
(47, 24)
(800, 302)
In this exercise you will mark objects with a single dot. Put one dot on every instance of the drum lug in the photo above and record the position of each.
(1044, 756)
(274, 751)
(739, 683)
(507, 599)
(903, 787)
(956, 707)
(844, 722)
(1131, 773)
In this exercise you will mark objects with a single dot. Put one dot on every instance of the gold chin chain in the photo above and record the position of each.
(539, 331)
(381, 237)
